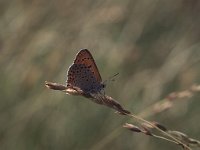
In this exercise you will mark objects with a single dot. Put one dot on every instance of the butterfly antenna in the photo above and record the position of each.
(111, 78)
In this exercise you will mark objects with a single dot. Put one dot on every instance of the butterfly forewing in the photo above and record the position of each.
(85, 57)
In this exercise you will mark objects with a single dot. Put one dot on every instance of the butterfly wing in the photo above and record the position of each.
(85, 57)
(84, 74)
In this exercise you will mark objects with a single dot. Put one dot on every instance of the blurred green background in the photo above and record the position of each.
(154, 45)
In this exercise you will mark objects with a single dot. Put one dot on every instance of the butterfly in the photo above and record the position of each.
(84, 75)
(84, 79)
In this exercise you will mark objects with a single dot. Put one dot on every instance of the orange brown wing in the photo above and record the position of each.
(85, 57)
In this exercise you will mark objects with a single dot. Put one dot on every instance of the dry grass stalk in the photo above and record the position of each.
(147, 130)
(184, 94)
(168, 102)
(173, 136)
(179, 135)
(170, 138)
(98, 98)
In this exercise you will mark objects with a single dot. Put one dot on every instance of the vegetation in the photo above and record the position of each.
(153, 45)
